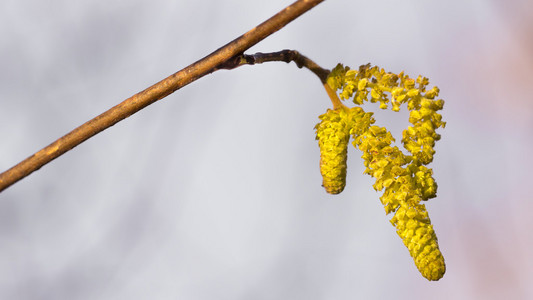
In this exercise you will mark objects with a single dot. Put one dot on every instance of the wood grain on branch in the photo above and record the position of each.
(156, 92)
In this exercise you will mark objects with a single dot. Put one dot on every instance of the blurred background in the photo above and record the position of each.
(215, 192)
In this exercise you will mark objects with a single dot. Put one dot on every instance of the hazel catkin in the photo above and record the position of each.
(414, 227)
(404, 176)
(333, 135)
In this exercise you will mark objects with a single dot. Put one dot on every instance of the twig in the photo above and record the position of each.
(156, 92)
(286, 56)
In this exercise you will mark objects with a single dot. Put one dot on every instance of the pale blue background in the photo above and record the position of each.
(214, 192)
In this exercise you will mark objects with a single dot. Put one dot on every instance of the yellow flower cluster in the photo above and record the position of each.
(405, 178)
(415, 229)
(333, 134)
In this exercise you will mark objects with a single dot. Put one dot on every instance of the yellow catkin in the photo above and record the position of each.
(414, 227)
(333, 135)
(406, 179)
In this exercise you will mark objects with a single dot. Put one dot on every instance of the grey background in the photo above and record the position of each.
(214, 192)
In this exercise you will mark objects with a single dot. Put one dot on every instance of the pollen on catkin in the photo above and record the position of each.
(414, 227)
(333, 135)
(404, 177)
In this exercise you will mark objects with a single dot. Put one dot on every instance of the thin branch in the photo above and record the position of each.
(284, 55)
(287, 56)
(156, 92)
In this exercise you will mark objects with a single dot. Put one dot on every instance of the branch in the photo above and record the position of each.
(286, 56)
(156, 92)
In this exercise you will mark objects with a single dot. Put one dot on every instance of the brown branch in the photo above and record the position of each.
(287, 56)
(284, 55)
(156, 92)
